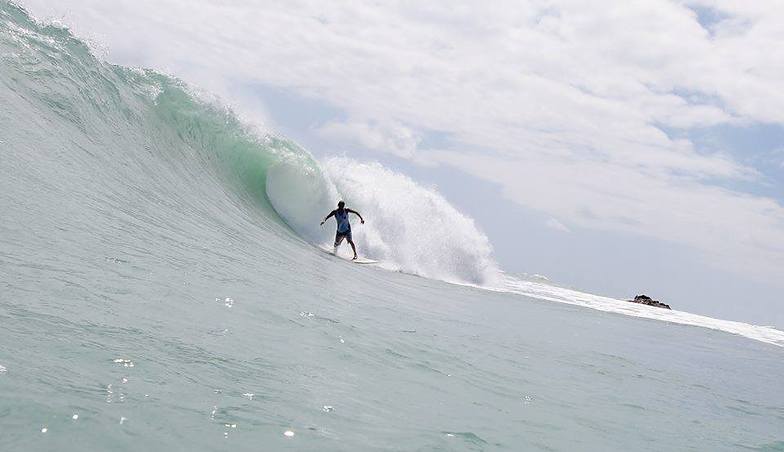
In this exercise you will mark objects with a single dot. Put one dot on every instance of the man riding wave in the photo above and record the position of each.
(344, 227)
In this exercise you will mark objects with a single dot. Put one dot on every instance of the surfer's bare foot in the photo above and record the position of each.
(354, 258)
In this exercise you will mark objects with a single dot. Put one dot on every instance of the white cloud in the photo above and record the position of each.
(778, 156)
(393, 138)
(552, 223)
(732, 230)
(567, 100)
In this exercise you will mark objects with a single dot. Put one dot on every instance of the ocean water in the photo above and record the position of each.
(162, 289)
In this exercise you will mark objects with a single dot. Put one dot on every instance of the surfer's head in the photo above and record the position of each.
(341, 204)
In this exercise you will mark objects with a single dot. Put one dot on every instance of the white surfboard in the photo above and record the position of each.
(359, 260)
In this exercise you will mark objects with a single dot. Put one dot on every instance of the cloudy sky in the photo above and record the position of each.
(620, 148)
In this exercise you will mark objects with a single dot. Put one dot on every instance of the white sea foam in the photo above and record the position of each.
(545, 291)
(411, 227)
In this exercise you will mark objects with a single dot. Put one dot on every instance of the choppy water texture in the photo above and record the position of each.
(161, 291)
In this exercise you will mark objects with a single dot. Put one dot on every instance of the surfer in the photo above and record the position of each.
(344, 227)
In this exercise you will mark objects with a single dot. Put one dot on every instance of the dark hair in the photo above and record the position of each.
(341, 204)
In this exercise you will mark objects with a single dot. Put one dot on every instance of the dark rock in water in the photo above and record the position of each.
(646, 300)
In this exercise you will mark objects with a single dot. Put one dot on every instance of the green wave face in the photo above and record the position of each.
(137, 124)
(220, 139)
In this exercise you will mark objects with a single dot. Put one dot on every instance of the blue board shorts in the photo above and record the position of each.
(339, 236)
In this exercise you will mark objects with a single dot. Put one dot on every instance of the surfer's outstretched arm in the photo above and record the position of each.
(327, 217)
(357, 214)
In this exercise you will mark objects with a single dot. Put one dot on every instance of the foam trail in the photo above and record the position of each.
(549, 292)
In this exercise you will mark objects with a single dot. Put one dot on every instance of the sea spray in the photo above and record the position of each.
(411, 226)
